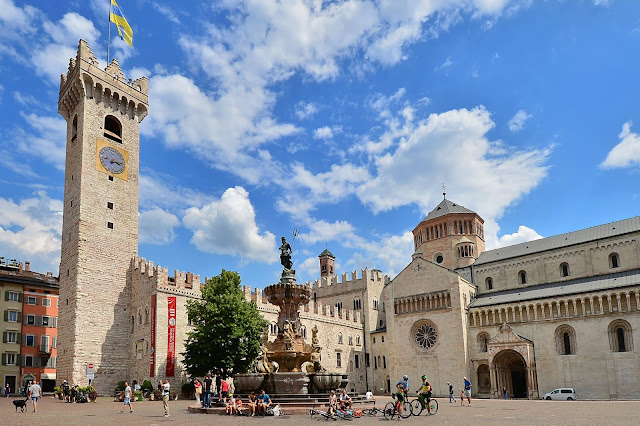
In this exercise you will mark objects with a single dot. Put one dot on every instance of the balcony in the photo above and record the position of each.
(44, 350)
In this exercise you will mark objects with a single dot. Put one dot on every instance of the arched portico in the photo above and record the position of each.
(511, 372)
(512, 365)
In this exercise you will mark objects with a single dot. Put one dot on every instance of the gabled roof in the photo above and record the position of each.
(563, 240)
(326, 252)
(446, 207)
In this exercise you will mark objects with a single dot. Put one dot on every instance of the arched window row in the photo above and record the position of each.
(570, 308)
(426, 302)
(273, 328)
(564, 270)
(357, 304)
(439, 230)
(466, 250)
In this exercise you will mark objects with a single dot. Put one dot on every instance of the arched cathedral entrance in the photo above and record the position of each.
(511, 372)
(512, 365)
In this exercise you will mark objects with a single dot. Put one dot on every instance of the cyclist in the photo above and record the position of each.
(425, 393)
(402, 390)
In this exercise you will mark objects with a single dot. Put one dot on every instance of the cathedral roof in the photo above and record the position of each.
(560, 288)
(446, 207)
(563, 240)
(326, 252)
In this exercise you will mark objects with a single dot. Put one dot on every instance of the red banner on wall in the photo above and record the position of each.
(153, 337)
(171, 351)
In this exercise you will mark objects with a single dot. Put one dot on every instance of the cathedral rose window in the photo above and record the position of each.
(425, 336)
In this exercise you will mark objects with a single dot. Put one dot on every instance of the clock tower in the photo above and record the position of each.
(103, 111)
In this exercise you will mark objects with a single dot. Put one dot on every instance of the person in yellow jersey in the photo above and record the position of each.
(424, 393)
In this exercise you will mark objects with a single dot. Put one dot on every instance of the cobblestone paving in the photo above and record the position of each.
(482, 412)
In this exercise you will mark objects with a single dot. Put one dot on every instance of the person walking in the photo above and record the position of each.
(504, 392)
(452, 397)
(198, 389)
(166, 392)
(467, 390)
(34, 394)
(127, 398)
(7, 390)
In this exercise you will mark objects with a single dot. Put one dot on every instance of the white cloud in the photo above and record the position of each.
(161, 190)
(523, 235)
(30, 230)
(517, 121)
(602, 2)
(434, 151)
(51, 56)
(228, 226)
(24, 100)
(46, 139)
(156, 226)
(445, 65)
(168, 13)
(305, 109)
(627, 152)
(323, 231)
(326, 132)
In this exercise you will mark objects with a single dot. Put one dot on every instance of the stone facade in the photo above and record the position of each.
(100, 218)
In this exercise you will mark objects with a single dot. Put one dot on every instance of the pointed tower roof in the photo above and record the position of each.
(446, 207)
(326, 252)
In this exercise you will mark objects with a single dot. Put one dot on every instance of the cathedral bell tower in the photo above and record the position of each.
(327, 263)
(451, 235)
(103, 111)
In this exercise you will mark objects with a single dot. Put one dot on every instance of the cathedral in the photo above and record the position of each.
(555, 312)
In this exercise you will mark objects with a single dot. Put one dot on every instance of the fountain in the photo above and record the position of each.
(288, 365)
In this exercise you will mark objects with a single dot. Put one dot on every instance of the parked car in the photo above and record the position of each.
(561, 394)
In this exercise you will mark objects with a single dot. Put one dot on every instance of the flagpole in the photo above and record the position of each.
(109, 32)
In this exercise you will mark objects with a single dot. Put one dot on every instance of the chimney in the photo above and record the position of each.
(27, 266)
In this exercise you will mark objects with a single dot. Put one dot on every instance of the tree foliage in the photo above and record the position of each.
(226, 329)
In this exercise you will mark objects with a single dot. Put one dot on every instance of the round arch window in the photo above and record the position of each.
(438, 258)
(425, 335)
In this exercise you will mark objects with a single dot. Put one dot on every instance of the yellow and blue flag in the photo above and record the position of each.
(117, 17)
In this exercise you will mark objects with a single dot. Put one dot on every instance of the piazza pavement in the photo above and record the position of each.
(482, 412)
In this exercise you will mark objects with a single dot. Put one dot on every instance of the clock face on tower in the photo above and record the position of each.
(112, 160)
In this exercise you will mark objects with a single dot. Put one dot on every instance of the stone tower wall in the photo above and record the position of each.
(94, 260)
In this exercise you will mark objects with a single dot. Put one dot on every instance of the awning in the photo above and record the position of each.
(49, 376)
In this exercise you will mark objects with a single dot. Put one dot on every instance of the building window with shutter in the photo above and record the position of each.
(338, 359)
(11, 316)
(28, 361)
(46, 302)
(31, 319)
(12, 296)
(32, 300)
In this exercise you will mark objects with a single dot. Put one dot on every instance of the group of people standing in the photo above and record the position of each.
(465, 393)
(204, 390)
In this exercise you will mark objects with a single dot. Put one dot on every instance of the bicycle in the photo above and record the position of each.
(417, 408)
(373, 411)
(323, 414)
(391, 410)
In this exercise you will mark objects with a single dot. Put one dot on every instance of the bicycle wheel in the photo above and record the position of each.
(433, 404)
(389, 410)
(416, 407)
(406, 410)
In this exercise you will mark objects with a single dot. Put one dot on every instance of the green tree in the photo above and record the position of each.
(226, 329)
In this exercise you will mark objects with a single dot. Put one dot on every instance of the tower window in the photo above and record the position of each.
(489, 282)
(614, 261)
(110, 205)
(112, 128)
(564, 269)
(110, 225)
(522, 277)
(74, 128)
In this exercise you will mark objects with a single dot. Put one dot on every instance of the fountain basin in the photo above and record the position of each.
(287, 383)
(326, 382)
(246, 383)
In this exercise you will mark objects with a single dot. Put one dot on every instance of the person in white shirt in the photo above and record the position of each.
(166, 392)
(345, 400)
(127, 397)
(34, 393)
(369, 395)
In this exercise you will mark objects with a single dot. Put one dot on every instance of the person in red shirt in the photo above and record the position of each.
(225, 391)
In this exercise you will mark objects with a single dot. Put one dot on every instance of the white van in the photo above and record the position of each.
(560, 394)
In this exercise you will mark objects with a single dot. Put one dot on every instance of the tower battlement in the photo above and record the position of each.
(85, 78)
(161, 278)
(367, 276)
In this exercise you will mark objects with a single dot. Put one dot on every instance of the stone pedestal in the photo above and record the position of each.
(287, 383)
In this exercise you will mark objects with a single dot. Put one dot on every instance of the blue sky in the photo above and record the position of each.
(339, 119)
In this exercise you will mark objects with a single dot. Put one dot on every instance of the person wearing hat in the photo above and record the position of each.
(424, 393)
